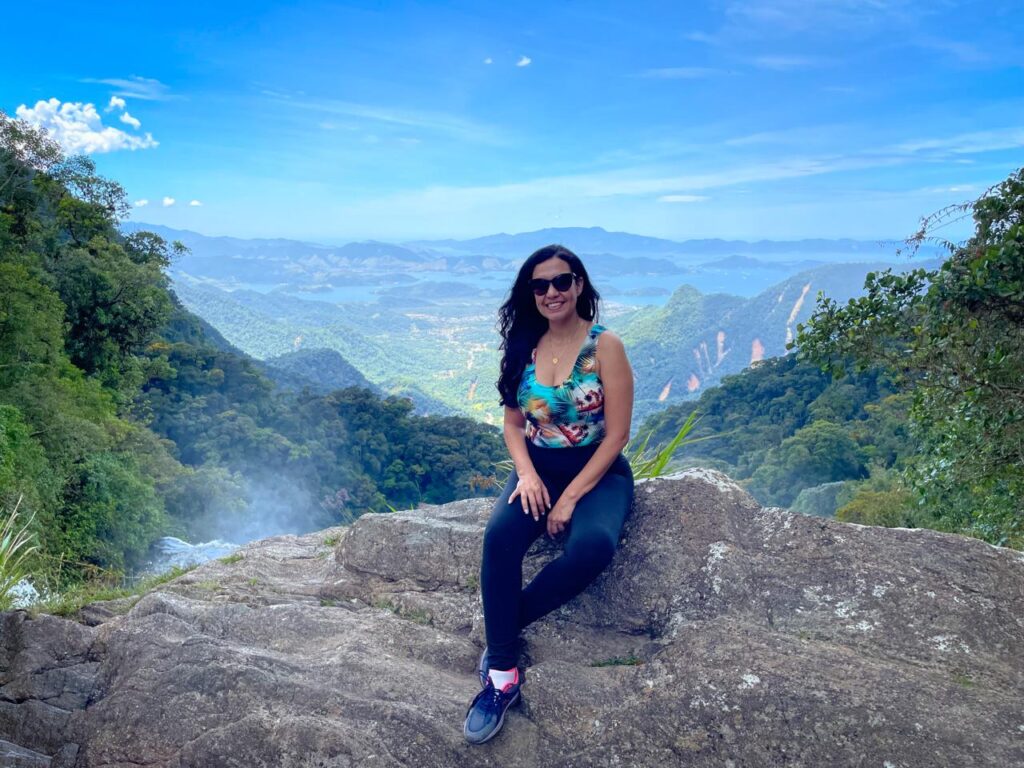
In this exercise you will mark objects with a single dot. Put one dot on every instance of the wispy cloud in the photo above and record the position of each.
(788, 63)
(956, 189)
(524, 61)
(488, 60)
(633, 182)
(78, 127)
(648, 182)
(965, 53)
(806, 136)
(168, 202)
(965, 143)
(765, 17)
(682, 198)
(141, 203)
(437, 122)
(135, 87)
(195, 204)
(702, 37)
(681, 73)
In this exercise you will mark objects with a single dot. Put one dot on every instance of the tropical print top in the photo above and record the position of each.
(570, 414)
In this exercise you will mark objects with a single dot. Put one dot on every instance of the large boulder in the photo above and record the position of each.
(723, 634)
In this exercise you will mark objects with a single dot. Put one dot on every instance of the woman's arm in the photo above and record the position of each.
(617, 382)
(534, 493)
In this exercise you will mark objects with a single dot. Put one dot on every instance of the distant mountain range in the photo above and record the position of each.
(740, 262)
(281, 259)
(418, 319)
(588, 240)
(679, 350)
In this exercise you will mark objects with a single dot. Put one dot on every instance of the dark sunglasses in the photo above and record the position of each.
(562, 283)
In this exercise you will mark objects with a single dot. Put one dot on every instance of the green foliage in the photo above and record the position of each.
(955, 336)
(24, 470)
(123, 417)
(630, 660)
(752, 415)
(821, 500)
(78, 304)
(894, 508)
(113, 513)
(71, 600)
(16, 550)
(821, 452)
(647, 464)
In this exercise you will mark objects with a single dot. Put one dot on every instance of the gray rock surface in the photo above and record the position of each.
(723, 634)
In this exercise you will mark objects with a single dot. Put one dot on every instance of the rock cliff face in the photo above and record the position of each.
(723, 634)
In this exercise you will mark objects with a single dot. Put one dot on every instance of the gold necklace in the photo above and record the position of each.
(558, 353)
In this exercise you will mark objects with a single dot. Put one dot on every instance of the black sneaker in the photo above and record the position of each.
(486, 714)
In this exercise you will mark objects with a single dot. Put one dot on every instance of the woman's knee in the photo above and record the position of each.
(506, 531)
(494, 534)
(593, 550)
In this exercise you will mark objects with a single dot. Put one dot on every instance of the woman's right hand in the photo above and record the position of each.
(533, 494)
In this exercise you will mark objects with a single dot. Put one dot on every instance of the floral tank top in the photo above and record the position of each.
(570, 414)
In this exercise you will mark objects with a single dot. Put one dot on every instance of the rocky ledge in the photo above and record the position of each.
(723, 634)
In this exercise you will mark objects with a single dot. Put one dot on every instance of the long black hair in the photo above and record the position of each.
(521, 325)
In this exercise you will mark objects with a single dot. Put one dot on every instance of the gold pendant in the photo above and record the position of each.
(554, 361)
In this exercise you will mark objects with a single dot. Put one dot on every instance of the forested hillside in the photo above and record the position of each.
(685, 347)
(123, 418)
(904, 406)
(783, 426)
(954, 339)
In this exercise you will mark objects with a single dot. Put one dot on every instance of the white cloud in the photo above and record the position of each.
(195, 203)
(78, 127)
(135, 87)
(115, 103)
(141, 203)
(524, 61)
(129, 120)
(681, 198)
(681, 73)
(488, 60)
(168, 202)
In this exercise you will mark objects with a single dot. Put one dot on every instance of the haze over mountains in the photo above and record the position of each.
(417, 319)
(583, 240)
(598, 240)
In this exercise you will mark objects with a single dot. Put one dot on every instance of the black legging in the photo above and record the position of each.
(593, 535)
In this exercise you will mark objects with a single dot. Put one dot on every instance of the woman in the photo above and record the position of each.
(567, 389)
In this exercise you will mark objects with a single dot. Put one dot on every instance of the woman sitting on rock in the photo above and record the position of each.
(567, 389)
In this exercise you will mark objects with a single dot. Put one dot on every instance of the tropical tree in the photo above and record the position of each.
(955, 337)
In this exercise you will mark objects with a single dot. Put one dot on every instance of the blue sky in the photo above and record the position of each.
(740, 119)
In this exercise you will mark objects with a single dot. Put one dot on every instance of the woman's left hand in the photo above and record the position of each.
(560, 515)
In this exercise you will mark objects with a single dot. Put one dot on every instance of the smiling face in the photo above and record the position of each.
(556, 305)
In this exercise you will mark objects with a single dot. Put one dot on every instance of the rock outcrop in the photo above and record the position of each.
(723, 634)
